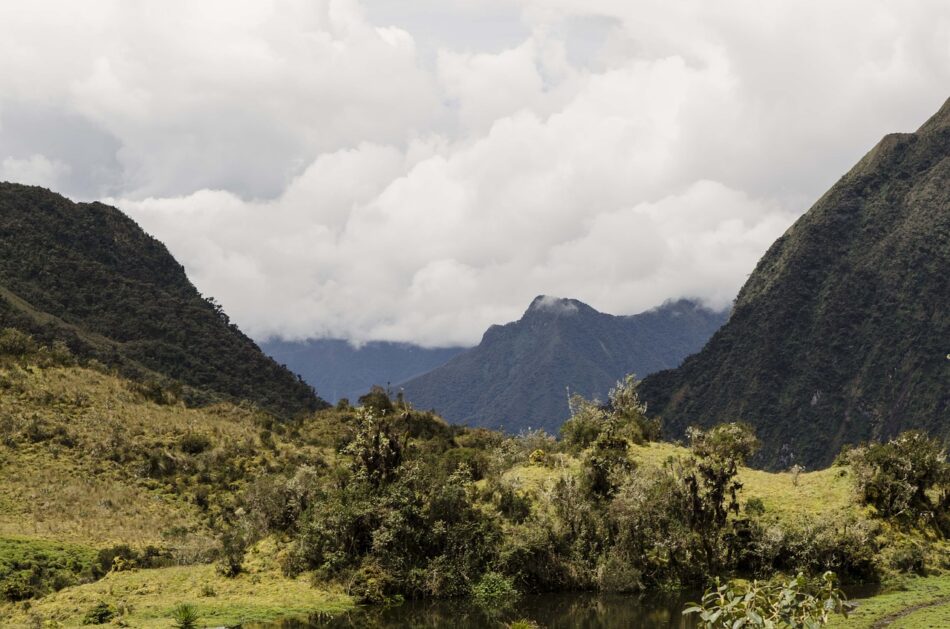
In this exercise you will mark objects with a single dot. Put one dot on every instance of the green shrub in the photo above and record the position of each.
(896, 477)
(617, 573)
(185, 616)
(798, 604)
(33, 568)
(372, 584)
(99, 615)
(494, 591)
(754, 507)
(15, 343)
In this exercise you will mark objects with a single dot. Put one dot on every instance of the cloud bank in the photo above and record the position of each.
(375, 172)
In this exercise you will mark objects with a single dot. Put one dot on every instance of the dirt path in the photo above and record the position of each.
(890, 618)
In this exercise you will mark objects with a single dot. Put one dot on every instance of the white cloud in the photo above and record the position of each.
(35, 170)
(417, 174)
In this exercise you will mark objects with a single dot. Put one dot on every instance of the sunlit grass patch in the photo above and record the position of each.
(146, 598)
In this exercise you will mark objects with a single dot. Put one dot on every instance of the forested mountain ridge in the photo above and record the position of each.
(86, 274)
(840, 334)
(520, 375)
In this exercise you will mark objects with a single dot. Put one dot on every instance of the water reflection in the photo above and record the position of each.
(551, 611)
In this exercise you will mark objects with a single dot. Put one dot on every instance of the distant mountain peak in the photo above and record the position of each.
(517, 376)
(548, 304)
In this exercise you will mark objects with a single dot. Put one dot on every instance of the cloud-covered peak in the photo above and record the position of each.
(553, 305)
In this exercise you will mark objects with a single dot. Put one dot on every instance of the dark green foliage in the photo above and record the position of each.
(86, 275)
(194, 443)
(710, 478)
(32, 568)
(521, 374)
(606, 463)
(840, 332)
(494, 591)
(377, 401)
(375, 449)
(99, 615)
(897, 477)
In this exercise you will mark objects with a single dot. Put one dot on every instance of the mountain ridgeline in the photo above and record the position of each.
(841, 333)
(521, 373)
(86, 275)
(340, 370)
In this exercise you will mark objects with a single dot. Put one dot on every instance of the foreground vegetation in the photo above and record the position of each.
(116, 502)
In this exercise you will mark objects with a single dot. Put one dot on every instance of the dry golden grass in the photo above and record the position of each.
(68, 487)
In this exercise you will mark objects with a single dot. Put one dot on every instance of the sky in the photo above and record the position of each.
(417, 171)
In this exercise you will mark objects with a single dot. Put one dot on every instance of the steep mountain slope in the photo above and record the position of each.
(86, 274)
(340, 370)
(520, 373)
(841, 333)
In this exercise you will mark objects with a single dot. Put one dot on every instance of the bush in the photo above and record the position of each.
(895, 477)
(99, 615)
(494, 591)
(372, 584)
(617, 573)
(795, 603)
(754, 507)
(15, 343)
(194, 443)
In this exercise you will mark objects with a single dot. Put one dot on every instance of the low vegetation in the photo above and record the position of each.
(113, 504)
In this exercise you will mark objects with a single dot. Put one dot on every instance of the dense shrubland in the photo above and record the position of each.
(388, 502)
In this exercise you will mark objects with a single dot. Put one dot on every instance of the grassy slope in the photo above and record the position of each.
(823, 492)
(891, 609)
(151, 595)
(64, 487)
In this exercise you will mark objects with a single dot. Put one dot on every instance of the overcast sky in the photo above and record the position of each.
(417, 170)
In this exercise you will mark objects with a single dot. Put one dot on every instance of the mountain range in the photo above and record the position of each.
(841, 333)
(520, 375)
(87, 275)
(339, 369)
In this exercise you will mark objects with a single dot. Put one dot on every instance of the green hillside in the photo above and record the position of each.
(86, 274)
(840, 335)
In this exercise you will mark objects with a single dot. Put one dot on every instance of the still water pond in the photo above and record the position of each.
(551, 611)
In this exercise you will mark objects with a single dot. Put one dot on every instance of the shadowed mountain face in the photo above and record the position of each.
(86, 274)
(841, 334)
(520, 373)
(340, 370)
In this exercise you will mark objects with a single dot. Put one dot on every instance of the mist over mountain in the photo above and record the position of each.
(87, 275)
(840, 335)
(520, 374)
(339, 369)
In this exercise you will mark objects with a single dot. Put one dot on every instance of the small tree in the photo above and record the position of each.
(896, 477)
(375, 448)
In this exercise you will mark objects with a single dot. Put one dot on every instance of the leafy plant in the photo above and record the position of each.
(796, 604)
(185, 616)
(494, 591)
